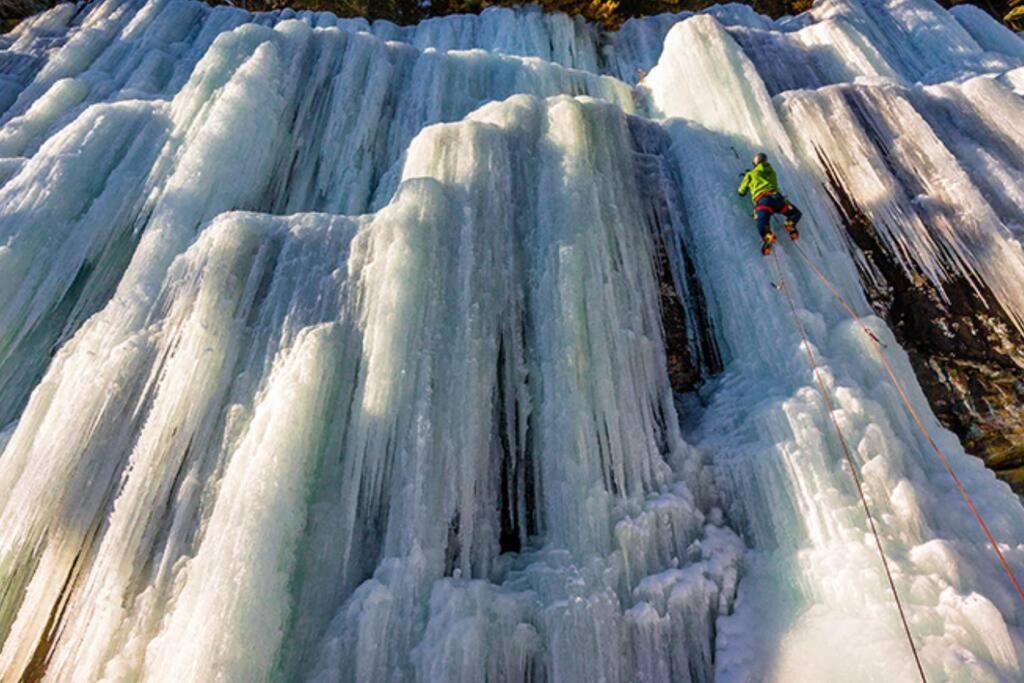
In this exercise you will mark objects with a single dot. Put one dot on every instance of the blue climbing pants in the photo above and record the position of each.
(768, 204)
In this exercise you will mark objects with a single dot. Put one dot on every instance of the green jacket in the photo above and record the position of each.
(759, 180)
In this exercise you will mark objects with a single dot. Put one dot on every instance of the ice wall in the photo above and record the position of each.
(337, 351)
(800, 531)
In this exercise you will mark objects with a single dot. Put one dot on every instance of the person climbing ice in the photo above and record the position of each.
(763, 186)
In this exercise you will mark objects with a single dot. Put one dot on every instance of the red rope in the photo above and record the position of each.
(849, 461)
(920, 425)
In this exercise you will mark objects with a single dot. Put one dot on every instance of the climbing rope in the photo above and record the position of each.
(829, 408)
(879, 346)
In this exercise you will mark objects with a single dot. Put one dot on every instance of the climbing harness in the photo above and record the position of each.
(879, 346)
(829, 408)
(758, 206)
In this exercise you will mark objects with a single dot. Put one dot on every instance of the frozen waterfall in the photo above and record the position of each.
(333, 351)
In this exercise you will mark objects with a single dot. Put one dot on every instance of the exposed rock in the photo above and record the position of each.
(11, 11)
(690, 348)
(966, 353)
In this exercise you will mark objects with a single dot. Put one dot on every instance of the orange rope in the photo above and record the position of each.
(920, 425)
(849, 461)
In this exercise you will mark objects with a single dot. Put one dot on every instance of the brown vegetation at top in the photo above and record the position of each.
(608, 13)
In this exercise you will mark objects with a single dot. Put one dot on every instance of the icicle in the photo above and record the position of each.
(333, 350)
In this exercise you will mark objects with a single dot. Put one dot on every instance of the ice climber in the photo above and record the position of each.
(763, 186)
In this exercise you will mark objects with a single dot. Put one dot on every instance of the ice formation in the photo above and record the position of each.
(335, 351)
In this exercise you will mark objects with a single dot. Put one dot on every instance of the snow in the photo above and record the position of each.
(334, 351)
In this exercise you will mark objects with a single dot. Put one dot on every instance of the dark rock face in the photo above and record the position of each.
(966, 353)
(688, 333)
(683, 371)
(14, 10)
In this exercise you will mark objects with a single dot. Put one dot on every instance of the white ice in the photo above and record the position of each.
(334, 351)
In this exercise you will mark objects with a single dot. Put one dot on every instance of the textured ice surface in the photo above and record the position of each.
(334, 351)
